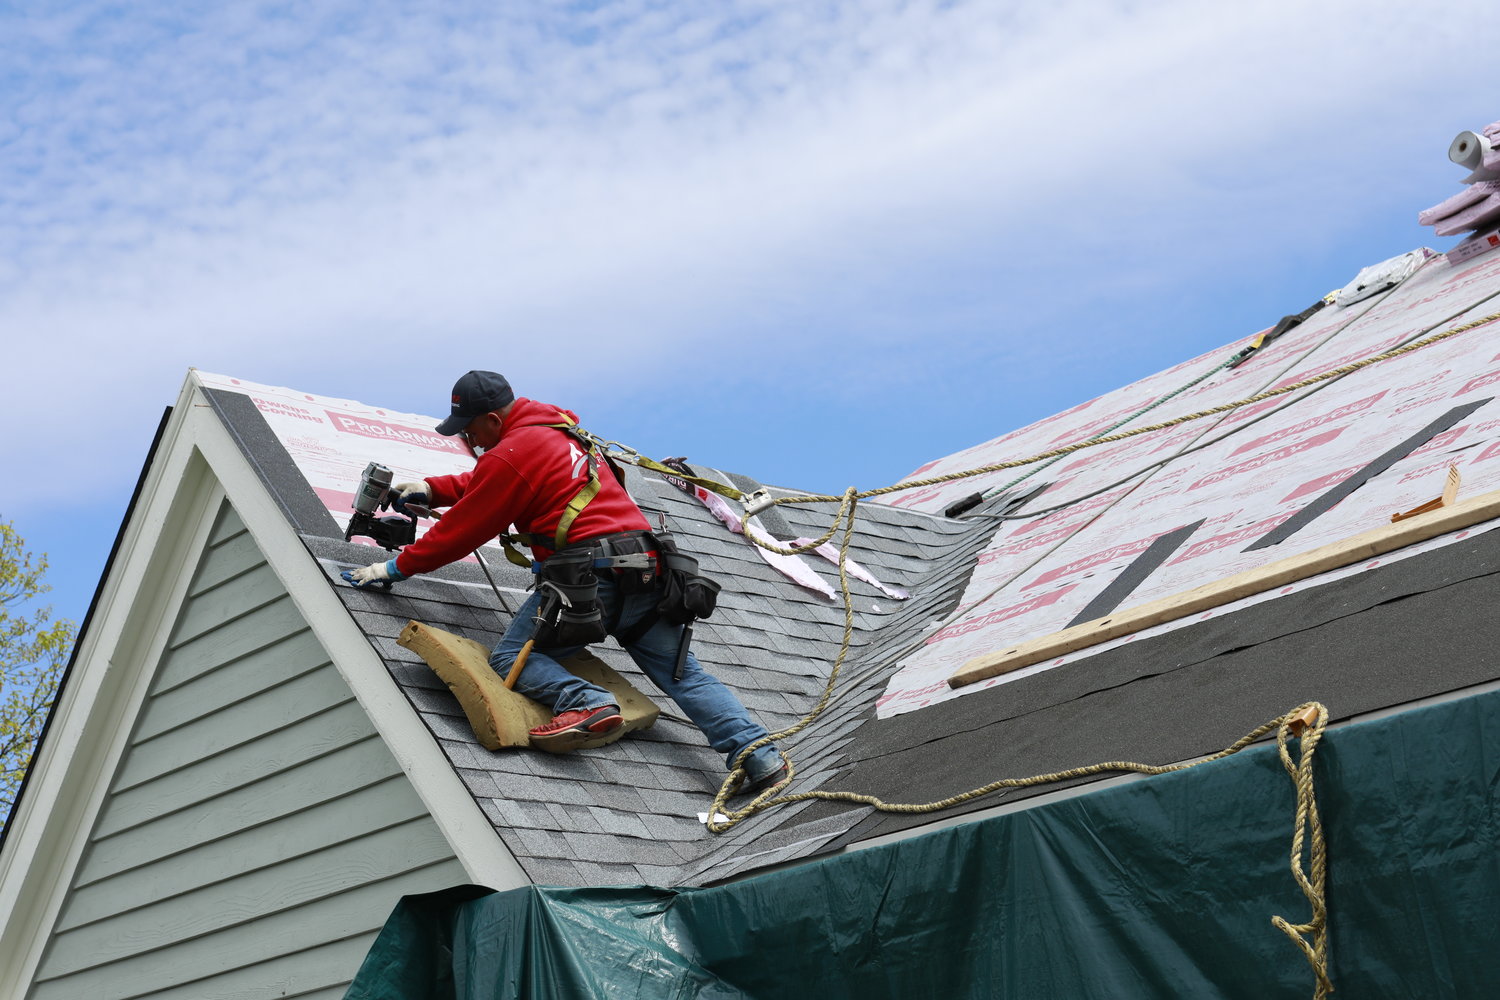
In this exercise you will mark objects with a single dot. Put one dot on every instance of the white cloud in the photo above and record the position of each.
(359, 198)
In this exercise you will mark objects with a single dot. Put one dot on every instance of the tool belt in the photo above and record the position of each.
(686, 594)
(569, 584)
(642, 562)
(569, 614)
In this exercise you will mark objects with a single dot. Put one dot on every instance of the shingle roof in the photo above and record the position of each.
(1360, 639)
(629, 812)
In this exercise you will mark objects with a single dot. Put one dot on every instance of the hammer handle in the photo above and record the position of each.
(515, 668)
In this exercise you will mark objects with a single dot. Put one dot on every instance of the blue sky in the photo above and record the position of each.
(818, 243)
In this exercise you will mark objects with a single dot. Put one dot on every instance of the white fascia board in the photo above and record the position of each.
(469, 832)
(111, 671)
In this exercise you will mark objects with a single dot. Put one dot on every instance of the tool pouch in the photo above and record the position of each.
(633, 580)
(687, 594)
(569, 613)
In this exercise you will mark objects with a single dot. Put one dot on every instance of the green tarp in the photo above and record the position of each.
(1161, 887)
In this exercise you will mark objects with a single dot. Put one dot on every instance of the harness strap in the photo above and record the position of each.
(590, 489)
(723, 489)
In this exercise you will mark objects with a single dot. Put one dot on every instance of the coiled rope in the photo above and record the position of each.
(848, 505)
(1310, 937)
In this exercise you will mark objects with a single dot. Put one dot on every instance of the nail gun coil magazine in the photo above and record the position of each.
(390, 531)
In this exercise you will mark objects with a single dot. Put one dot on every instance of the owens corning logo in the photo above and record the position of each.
(284, 409)
(374, 428)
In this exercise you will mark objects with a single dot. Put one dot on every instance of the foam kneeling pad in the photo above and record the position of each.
(500, 717)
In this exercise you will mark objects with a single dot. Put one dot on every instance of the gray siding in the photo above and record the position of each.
(257, 830)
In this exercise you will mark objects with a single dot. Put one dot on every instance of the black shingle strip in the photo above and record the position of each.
(1330, 499)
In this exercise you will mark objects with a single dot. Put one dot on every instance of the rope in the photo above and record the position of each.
(1094, 442)
(1310, 937)
(1309, 825)
(1116, 425)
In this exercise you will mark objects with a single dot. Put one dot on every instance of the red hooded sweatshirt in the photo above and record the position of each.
(526, 480)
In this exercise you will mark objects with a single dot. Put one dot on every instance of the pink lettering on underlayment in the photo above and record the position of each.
(1484, 456)
(917, 472)
(1465, 278)
(1341, 360)
(917, 496)
(1229, 538)
(1085, 431)
(1074, 512)
(1479, 382)
(1415, 404)
(1059, 416)
(285, 409)
(1115, 452)
(1338, 413)
(1004, 614)
(371, 427)
(1439, 441)
(1246, 412)
(1322, 484)
(1426, 383)
(1425, 471)
(1267, 458)
(1025, 543)
(919, 696)
(1095, 559)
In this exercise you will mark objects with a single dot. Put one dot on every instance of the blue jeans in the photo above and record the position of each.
(705, 700)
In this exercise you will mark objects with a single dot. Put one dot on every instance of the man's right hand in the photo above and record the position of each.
(403, 493)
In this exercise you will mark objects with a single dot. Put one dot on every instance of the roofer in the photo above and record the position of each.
(534, 470)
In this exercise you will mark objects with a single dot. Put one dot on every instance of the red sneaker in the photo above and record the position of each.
(580, 729)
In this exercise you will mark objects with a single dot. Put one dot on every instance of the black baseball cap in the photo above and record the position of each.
(473, 394)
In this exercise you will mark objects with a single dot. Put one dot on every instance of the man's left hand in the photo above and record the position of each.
(374, 574)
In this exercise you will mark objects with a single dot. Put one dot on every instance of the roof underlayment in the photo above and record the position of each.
(1365, 637)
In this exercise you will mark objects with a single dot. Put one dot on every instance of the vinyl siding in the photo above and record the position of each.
(257, 830)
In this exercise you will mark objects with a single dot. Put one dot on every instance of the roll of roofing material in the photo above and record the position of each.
(1468, 149)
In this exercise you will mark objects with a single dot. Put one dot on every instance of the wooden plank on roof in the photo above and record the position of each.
(1377, 541)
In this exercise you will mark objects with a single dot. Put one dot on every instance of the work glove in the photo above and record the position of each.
(404, 493)
(374, 575)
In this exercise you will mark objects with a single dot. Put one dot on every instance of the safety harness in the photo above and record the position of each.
(593, 455)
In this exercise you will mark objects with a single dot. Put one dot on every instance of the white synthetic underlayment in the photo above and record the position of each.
(1048, 569)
